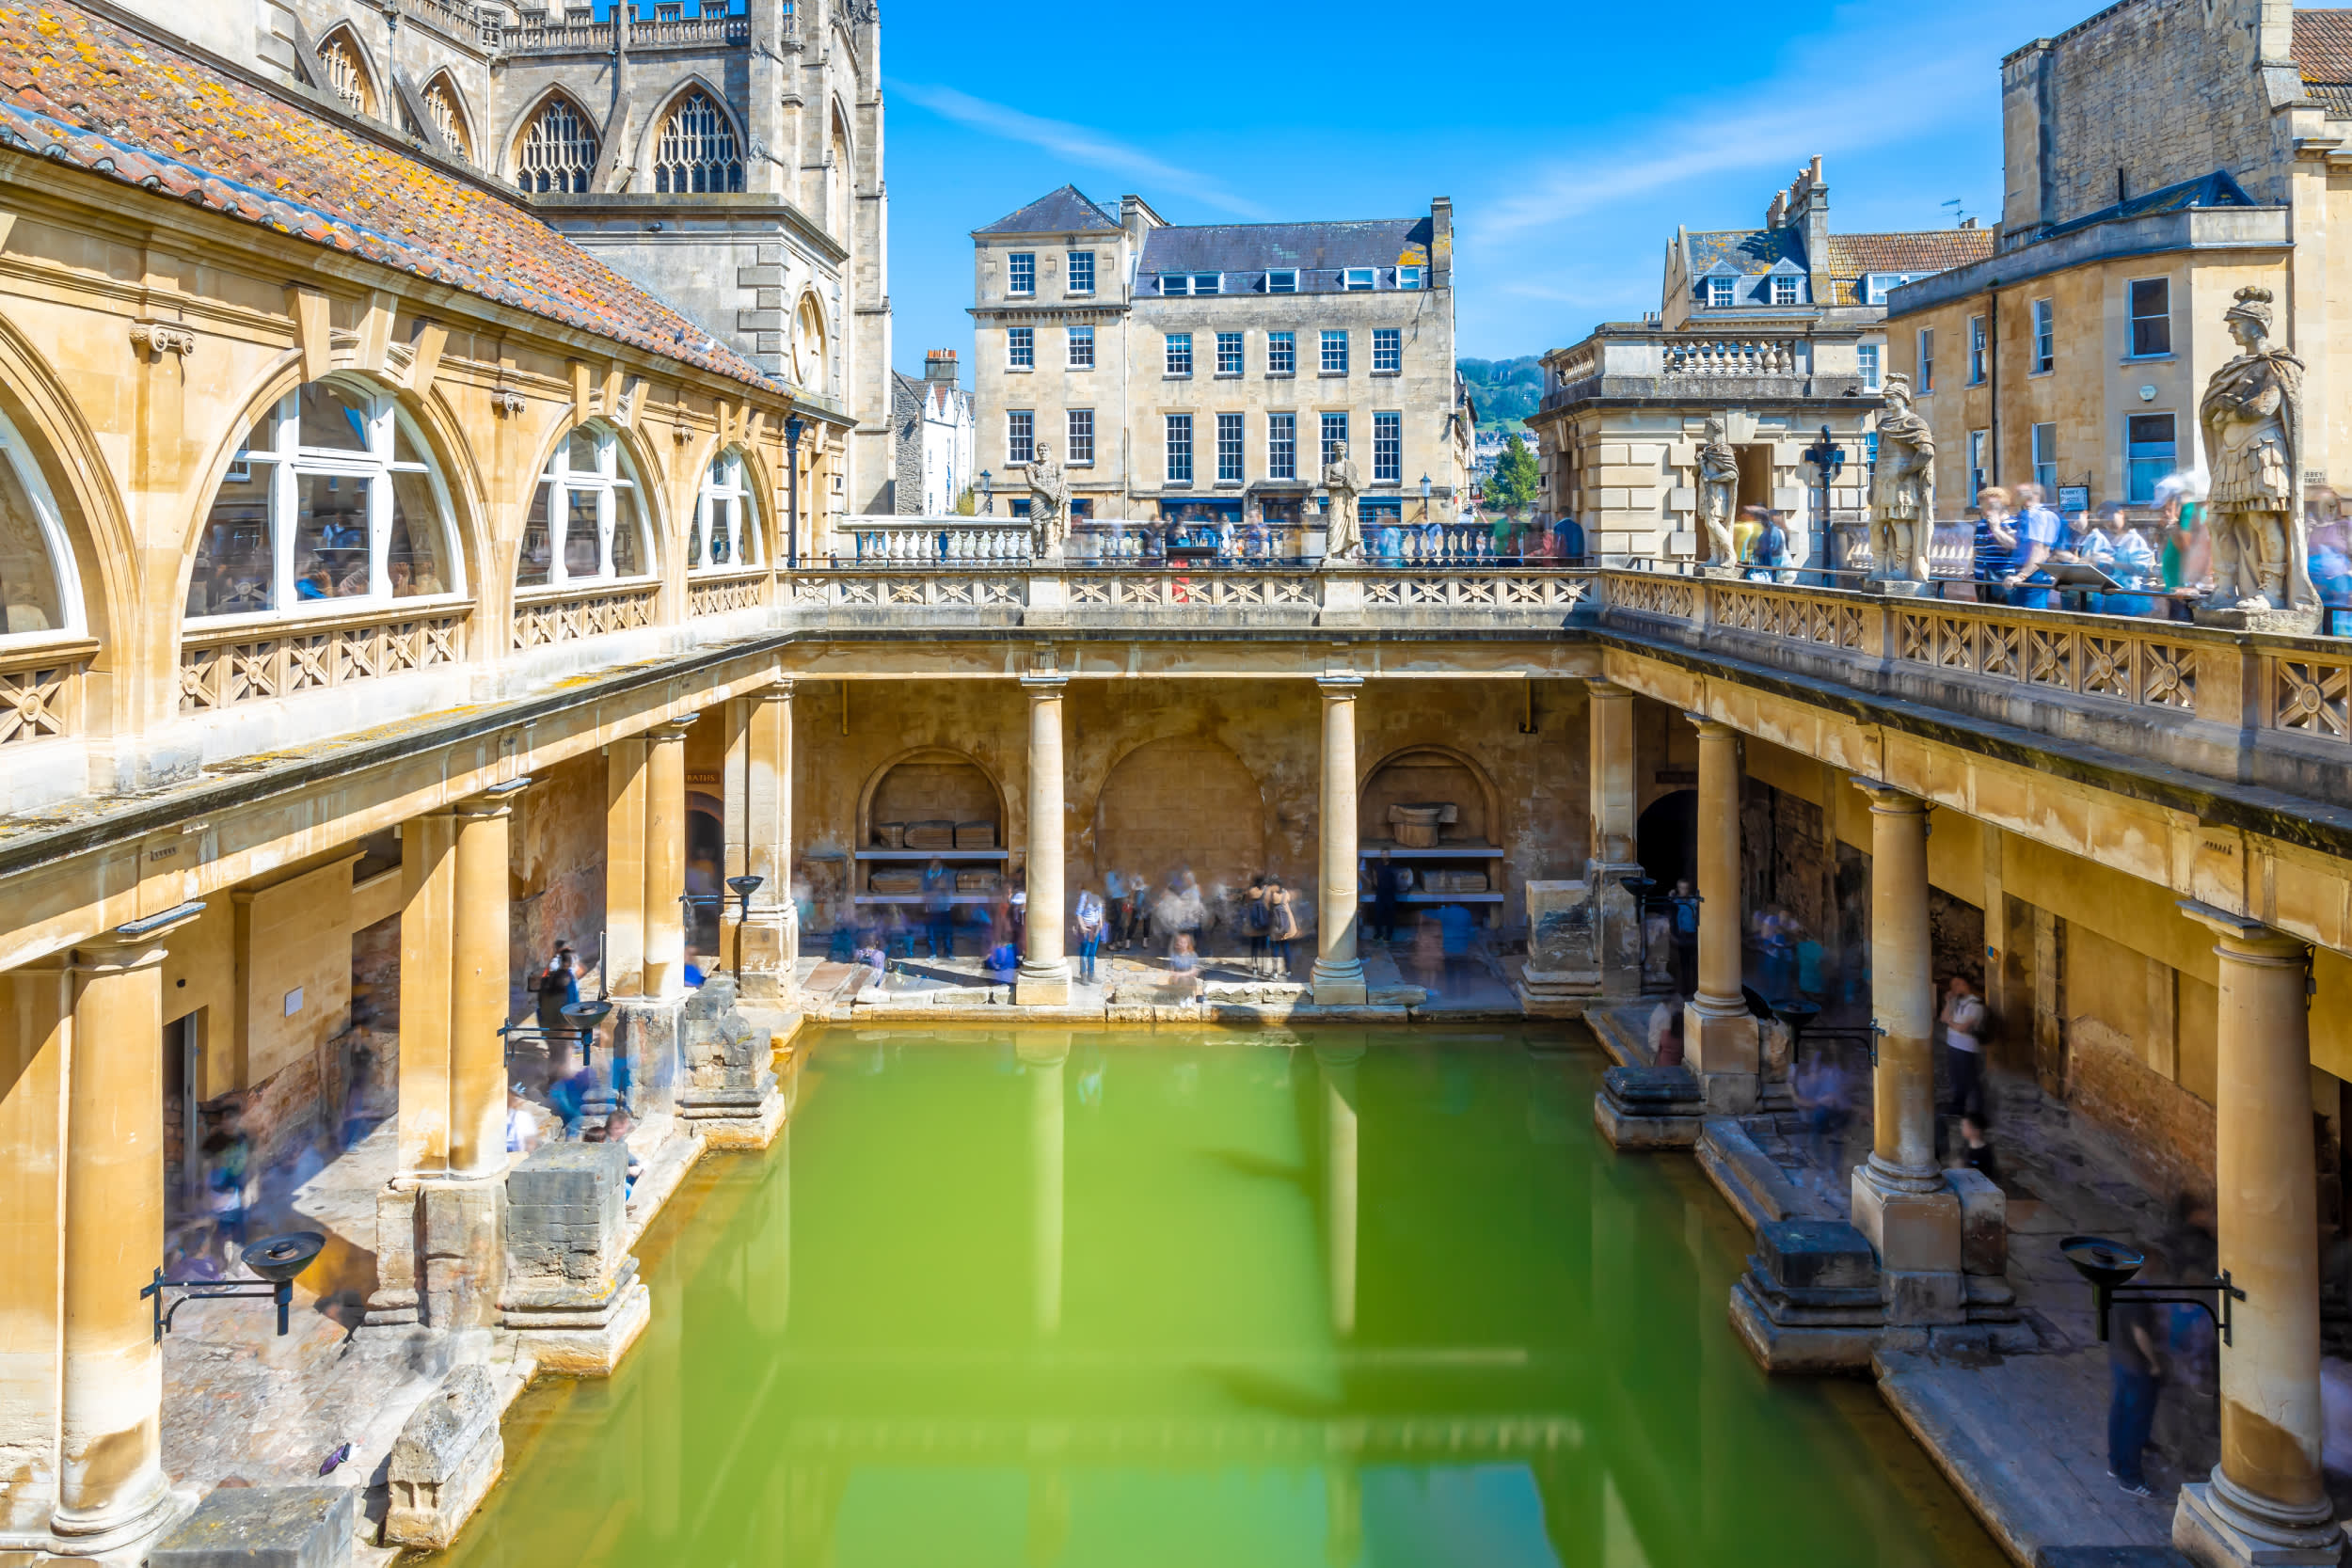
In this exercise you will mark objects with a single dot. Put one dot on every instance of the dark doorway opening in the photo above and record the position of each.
(1667, 839)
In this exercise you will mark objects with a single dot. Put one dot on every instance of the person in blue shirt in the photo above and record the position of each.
(695, 975)
(2040, 536)
(1769, 547)
(1997, 543)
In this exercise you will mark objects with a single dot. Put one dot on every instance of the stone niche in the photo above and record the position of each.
(572, 1294)
(729, 1091)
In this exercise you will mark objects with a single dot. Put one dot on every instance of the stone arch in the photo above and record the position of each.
(350, 70)
(926, 781)
(457, 132)
(679, 97)
(518, 131)
(1179, 800)
(840, 172)
(809, 343)
(650, 480)
(1431, 772)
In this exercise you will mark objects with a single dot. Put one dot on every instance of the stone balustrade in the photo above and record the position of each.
(265, 657)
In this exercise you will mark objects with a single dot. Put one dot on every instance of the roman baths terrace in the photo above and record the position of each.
(578, 984)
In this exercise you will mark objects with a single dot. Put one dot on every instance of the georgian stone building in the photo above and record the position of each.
(2076, 356)
(1199, 374)
(1777, 331)
(727, 155)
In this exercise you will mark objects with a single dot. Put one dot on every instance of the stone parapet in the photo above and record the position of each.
(446, 1460)
(265, 1526)
(572, 1291)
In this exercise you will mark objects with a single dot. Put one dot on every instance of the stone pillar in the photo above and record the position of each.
(440, 1224)
(644, 876)
(112, 1491)
(2266, 1501)
(665, 860)
(759, 843)
(1718, 1031)
(1044, 1057)
(1338, 973)
(1901, 1203)
(1338, 1064)
(1044, 977)
(1615, 853)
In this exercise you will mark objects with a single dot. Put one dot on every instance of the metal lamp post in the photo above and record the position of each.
(743, 886)
(1828, 459)
(988, 494)
(792, 428)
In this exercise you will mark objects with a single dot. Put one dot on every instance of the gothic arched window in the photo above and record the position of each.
(449, 116)
(347, 74)
(559, 150)
(697, 150)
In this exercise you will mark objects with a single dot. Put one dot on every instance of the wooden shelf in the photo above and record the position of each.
(932, 854)
(1443, 898)
(1457, 851)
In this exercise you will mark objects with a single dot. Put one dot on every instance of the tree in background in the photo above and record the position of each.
(1516, 480)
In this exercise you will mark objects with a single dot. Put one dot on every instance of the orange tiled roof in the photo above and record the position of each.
(2323, 45)
(1921, 251)
(85, 91)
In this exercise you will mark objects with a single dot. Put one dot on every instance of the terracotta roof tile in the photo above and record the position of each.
(2323, 45)
(1921, 251)
(87, 91)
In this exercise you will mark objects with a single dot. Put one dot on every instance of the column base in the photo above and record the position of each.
(1338, 985)
(119, 1535)
(1042, 985)
(584, 1338)
(2211, 1528)
(1915, 1229)
(1720, 1043)
(728, 1089)
(772, 944)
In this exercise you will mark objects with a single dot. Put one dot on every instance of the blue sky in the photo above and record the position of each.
(1572, 139)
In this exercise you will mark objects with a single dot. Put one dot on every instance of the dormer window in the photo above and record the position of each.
(1284, 281)
(1190, 282)
(1784, 289)
(1360, 278)
(1719, 293)
(1408, 277)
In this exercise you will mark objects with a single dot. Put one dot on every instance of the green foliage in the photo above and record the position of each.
(1505, 391)
(1515, 479)
(967, 504)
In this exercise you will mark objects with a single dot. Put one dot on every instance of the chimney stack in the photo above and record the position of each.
(939, 364)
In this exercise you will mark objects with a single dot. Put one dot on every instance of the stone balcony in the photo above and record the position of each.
(1619, 360)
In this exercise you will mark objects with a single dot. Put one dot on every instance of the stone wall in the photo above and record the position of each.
(558, 869)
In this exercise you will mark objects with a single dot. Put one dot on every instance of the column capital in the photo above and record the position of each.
(1340, 687)
(1886, 798)
(779, 693)
(2245, 938)
(1608, 691)
(1043, 683)
(1712, 729)
(668, 731)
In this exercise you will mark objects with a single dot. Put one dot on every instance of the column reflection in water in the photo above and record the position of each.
(1339, 1064)
(768, 1259)
(1044, 1057)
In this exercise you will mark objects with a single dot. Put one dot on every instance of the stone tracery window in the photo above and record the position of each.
(559, 150)
(39, 592)
(449, 116)
(347, 74)
(329, 504)
(586, 522)
(726, 519)
(697, 150)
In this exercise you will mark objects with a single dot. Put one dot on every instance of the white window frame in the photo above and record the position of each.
(1978, 340)
(1717, 292)
(1176, 354)
(1980, 443)
(2044, 445)
(1388, 430)
(288, 461)
(1081, 348)
(1282, 281)
(609, 486)
(1021, 348)
(1281, 444)
(1014, 454)
(724, 507)
(1408, 277)
(1078, 438)
(53, 537)
(1871, 359)
(2133, 491)
(1231, 440)
(1925, 382)
(1788, 284)
(1332, 336)
(1323, 431)
(1071, 267)
(1288, 343)
(1234, 341)
(1356, 280)
(2044, 337)
(2132, 319)
(1387, 351)
(1171, 446)
(1013, 269)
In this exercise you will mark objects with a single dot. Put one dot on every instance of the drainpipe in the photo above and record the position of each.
(1992, 372)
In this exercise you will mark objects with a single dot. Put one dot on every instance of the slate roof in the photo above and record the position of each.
(2322, 51)
(85, 91)
(1751, 251)
(1320, 252)
(1067, 210)
(2216, 189)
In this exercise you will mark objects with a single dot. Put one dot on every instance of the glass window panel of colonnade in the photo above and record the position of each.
(39, 591)
(587, 522)
(727, 520)
(330, 503)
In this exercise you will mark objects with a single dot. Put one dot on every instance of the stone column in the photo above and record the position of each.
(759, 842)
(478, 991)
(1901, 1200)
(111, 1487)
(665, 860)
(2266, 1501)
(1719, 1033)
(1044, 977)
(1615, 853)
(1338, 973)
(1044, 1057)
(1338, 1064)
(645, 875)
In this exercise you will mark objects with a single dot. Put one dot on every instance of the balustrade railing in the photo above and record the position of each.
(1714, 356)
(543, 616)
(548, 37)
(41, 690)
(1077, 586)
(984, 541)
(223, 667)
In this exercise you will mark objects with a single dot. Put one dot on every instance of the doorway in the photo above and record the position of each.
(1667, 840)
(1755, 475)
(184, 1155)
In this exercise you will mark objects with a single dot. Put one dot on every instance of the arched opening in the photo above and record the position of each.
(837, 179)
(332, 501)
(558, 149)
(1438, 817)
(41, 591)
(725, 533)
(446, 109)
(1186, 802)
(1667, 839)
(345, 66)
(931, 803)
(705, 871)
(696, 149)
(587, 520)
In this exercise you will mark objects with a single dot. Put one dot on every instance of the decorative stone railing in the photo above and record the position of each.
(720, 595)
(2264, 709)
(251, 661)
(988, 542)
(41, 690)
(548, 615)
(909, 541)
(1080, 589)
(564, 37)
(1735, 356)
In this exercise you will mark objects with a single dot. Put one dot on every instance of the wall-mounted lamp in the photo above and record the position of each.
(275, 1259)
(2110, 1265)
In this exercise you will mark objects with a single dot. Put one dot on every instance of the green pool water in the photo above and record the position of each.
(1375, 1297)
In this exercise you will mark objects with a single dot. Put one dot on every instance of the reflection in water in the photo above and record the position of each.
(1387, 1305)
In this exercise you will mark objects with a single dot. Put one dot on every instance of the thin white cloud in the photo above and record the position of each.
(1079, 144)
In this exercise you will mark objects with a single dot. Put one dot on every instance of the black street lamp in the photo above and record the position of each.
(1829, 459)
(988, 494)
(744, 887)
(792, 428)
